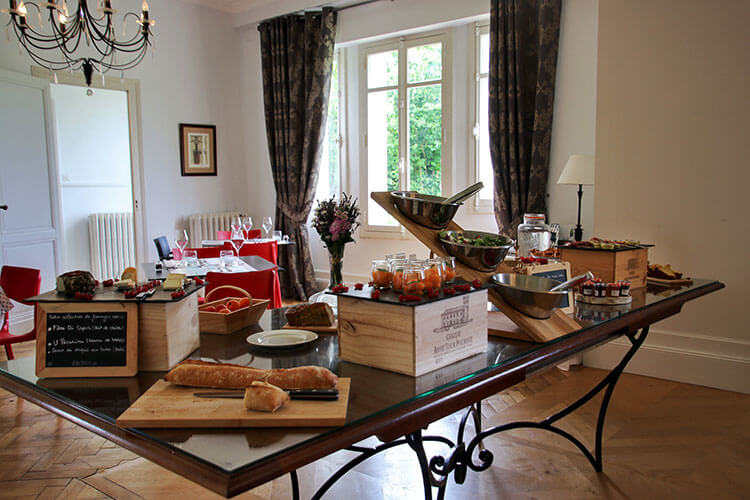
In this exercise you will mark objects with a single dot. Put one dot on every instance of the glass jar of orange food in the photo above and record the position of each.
(382, 277)
(450, 269)
(435, 273)
(397, 270)
(412, 277)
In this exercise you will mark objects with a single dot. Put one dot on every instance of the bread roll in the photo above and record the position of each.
(196, 373)
(317, 314)
(261, 396)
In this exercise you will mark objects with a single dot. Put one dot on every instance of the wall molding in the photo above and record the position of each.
(720, 362)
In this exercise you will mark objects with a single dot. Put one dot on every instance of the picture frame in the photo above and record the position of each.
(197, 149)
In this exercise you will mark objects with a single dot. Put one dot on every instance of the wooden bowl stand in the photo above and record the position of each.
(507, 322)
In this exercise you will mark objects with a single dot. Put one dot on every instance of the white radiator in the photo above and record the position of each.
(112, 244)
(204, 226)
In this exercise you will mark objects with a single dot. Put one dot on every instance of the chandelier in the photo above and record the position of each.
(79, 40)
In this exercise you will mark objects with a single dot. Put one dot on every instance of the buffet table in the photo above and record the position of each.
(393, 407)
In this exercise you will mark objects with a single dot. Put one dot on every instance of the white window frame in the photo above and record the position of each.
(446, 170)
(340, 57)
(478, 206)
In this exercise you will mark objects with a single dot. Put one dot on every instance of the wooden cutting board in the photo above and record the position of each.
(334, 328)
(170, 406)
(663, 282)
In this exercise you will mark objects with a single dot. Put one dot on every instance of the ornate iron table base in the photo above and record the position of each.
(436, 471)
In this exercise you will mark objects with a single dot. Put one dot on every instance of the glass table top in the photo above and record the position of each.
(372, 390)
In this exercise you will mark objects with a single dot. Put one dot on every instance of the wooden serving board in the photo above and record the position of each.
(334, 328)
(169, 406)
(663, 282)
(529, 329)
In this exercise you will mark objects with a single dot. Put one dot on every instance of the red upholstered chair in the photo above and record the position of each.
(268, 250)
(252, 234)
(19, 283)
(223, 235)
(260, 284)
(206, 252)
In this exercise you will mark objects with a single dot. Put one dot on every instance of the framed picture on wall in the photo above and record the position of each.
(198, 149)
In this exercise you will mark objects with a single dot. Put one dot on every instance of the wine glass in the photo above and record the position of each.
(267, 225)
(181, 241)
(247, 224)
(237, 239)
(236, 224)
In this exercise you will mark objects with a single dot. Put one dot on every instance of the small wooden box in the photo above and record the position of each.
(168, 332)
(609, 265)
(412, 339)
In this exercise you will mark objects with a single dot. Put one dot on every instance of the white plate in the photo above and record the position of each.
(281, 338)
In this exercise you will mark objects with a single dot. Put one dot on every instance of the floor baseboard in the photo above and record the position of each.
(718, 362)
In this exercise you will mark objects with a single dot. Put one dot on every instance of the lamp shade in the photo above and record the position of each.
(578, 170)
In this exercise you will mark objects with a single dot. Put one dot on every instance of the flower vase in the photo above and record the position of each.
(336, 263)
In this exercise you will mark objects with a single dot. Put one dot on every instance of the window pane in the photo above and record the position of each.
(328, 178)
(484, 52)
(382, 151)
(425, 139)
(382, 69)
(486, 174)
(425, 62)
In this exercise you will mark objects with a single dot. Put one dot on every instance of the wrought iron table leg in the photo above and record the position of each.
(295, 484)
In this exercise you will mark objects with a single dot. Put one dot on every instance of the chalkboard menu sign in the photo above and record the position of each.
(78, 339)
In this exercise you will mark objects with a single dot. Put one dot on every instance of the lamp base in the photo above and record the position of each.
(578, 233)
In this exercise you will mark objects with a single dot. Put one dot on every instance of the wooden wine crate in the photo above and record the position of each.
(609, 265)
(168, 332)
(412, 339)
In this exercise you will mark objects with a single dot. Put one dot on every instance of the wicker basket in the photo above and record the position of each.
(213, 322)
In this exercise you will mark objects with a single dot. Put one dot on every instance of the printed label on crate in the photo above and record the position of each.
(450, 330)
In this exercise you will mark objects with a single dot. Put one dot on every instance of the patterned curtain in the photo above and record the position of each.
(297, 59)
(523, 61)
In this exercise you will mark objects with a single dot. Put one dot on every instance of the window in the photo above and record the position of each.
(482, 161)
(329, 177)
(404, 89)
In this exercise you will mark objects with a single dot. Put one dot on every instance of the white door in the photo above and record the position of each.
(29, 228)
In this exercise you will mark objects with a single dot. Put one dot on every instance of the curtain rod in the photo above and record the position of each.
(339, 9)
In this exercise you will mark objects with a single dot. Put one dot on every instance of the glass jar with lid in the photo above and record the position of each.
(382, 277)
(533, 234)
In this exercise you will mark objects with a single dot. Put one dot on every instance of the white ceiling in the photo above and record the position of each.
(233, 6)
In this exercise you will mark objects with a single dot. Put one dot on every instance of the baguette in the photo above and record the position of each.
(261, 396)
(196, 373)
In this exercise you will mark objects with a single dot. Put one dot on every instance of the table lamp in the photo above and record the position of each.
(579, 170)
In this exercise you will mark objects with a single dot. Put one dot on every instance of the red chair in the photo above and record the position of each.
(268, 250)
(223, 235)
(19, 283)
(259, 284)
(206, 252)
(252, 234)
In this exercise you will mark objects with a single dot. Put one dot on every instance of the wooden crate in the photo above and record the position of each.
(213, 322)
(168, 332)
(412, 339)
(609, 265)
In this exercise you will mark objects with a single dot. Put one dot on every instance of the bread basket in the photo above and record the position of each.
(213, 322)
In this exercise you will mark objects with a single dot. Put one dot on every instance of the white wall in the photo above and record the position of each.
(573, 128)
(672, 151)
(191, 78)
(93, 151)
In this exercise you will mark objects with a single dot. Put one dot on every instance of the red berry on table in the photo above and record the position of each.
(476, 284)
(375, 294)
(198, 281)
(449, 291)
(369, 283)
(358, 286)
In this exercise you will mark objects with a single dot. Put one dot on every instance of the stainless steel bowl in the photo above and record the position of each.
(478, 257)
(529, 294)
(425, 210)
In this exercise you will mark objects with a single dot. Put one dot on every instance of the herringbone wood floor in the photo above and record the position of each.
(662, 440)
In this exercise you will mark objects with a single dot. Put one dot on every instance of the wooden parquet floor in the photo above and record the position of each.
(662, 440)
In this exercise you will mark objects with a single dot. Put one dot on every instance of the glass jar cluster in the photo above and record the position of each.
(412, 276)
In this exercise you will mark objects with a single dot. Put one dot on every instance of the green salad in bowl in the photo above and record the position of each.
(474, 239)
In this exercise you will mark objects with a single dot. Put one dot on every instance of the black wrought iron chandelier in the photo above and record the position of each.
(60, 47)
